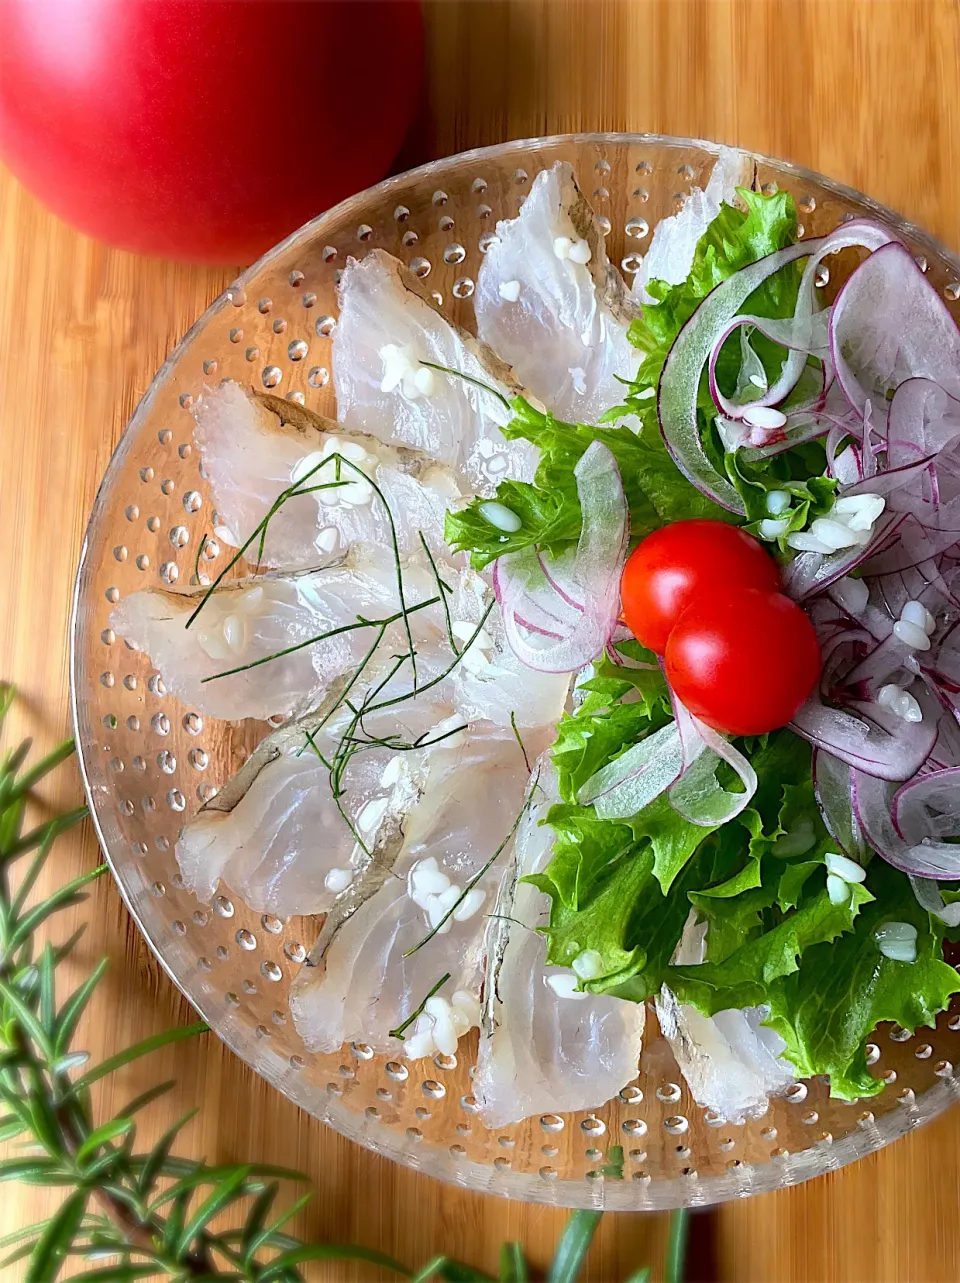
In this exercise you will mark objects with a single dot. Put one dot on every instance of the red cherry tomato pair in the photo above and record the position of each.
(739, 654)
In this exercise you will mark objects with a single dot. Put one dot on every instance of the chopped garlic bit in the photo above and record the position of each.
(500, 517)
(576, 251)
(764, 416)
(842, 867)
(510, 291)
(771, 529)
(441, 1024)
(897, 941)
(338, 880)
(564, 985)
(899, 702)
(849, 524)
(588, 965)
(837, 889)
(778, 501)
(403, 370)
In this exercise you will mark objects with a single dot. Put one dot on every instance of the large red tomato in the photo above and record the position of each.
(204, 129)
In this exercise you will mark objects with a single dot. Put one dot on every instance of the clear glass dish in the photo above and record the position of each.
(149, 762)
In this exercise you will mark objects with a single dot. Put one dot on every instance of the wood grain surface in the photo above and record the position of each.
(866, 91)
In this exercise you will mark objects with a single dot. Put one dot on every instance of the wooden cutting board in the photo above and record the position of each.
(867, 91)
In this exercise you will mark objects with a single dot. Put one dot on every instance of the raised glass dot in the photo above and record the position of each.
(192, 501)
(192, 723)
(463, 287)
(401, 214)
(318, 377)
(146, 474)
(642, 195)
(112, 595)
(167, 762)
(176, 801)
(601, 194)
(397, 1071)
(604, 224)
(236, 335)
(676, 1124)
(271, 376)
(632, 263)
(120, 553)
(634, 1127)
(631, 1095)
(252, 353)
(169, 572)
(637, 228)
(246, 939)
(179, 536)
(769, 189)
(364, 232)
(871, 1053)
(668, 1093)
(271, 924)
(279, 325)
(295, 278)
(223, 907)
(271, 971)
(325, 325)
(552, 1123)
(107, 679)
(440, 198)
(409, 238)
(297, 350)
(520, 176)
(593, 1127)
(454, 254)
(160, 723)
(294, 950)
(420, 267)
(165, 436)
(821, 276)
(796, 1094)
(951, 291)
(548, 1173)
(433, 1089)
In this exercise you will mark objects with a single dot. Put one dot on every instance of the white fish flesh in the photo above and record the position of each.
(362, 986)
(549, 301)
(731, 1062)
(255, 619)
(543, 1052)
(674, 240)
(388, 325)
(490, 683)
(255, 448)
(274, 834)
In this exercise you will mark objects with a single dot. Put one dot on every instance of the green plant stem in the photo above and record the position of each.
(676, 1246)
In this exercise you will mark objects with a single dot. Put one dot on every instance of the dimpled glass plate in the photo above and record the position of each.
(149, 762)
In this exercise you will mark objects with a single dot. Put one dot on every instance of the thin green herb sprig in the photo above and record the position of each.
(129, 1214)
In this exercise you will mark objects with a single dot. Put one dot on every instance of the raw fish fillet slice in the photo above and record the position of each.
(257, 618)
(562, 324)
(274, 834)
(540, 1052)
(674, 240)
(490, 683)
(361, 985)
(731, 1062)
(254, 447)
(387, 326)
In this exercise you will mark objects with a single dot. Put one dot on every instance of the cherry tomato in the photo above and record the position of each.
(204, 129)
(743, 661)
(671, 567)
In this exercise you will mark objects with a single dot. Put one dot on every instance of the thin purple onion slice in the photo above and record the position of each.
(560, 614)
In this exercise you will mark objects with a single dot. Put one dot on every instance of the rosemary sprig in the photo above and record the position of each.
(129, 1214)
(402, 1029)
(516, 736)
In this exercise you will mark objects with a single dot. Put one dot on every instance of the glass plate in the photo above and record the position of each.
(149, 762)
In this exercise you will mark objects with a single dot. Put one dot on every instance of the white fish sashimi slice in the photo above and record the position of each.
(241, 624)
(255, 447)
(490, 683)
(388, 325)
(274, 834)
(362, 985)
(560, 322)
(674, 240)
(540, 1052)
(731, 1062)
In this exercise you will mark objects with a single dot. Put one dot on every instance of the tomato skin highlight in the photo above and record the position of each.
(669, 569)
(743, 661)
(204, 130)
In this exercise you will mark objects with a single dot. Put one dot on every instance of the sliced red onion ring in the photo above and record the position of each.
(872, 799)
(560, 614)
(628, 783)
(801, 336)
(876, 742)
(929, 898)
(680, 379)
(833, 786)
(697, 795)
(889, 324)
